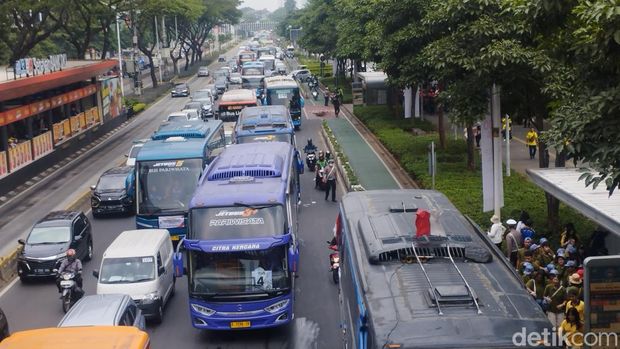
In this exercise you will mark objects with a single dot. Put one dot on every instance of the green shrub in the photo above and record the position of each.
(462, 186)
(138, 107)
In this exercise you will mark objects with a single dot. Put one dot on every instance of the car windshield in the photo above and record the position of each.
(180, 86)
(111, 182)
(238, 273)
(167, 185)
(49, 235)
(127, 270)
(193, 106)
(203, 95)
(214, 223)
(280, 137)
(177, 118)
(235, 75)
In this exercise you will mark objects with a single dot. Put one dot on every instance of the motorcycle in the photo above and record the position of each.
(70, 292)
(318, 179)
(334, 261)
(311, 161)
(315, 93)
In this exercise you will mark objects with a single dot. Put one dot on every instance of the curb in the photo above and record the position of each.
(342, 173)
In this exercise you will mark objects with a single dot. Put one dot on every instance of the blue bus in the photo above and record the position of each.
(280, 90)
(252, 75)
(167, 171)
(264, 124)
(241, 246)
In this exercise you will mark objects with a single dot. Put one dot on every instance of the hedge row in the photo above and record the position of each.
(461, 186)
(315, 66)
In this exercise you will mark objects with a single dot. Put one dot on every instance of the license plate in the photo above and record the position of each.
(41, 271)
(240, 324)
(66, 283)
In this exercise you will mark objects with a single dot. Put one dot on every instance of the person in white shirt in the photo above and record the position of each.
(496, 234)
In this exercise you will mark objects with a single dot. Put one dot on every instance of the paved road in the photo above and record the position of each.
(316, 325)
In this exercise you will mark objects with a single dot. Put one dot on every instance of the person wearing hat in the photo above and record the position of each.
(526, 272)
(527, 242)
(553, 296)
(545, 254)
(569, 269)
(330, 179)
(575, 281)
(496, 233)
(536, 286)
(513, 242)
(560, 263)
(573, 301)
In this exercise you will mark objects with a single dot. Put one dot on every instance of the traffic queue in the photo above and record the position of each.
(137, 276)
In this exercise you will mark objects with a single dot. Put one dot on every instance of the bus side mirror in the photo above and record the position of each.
(177, 262)
(300, 163)
(293, 258)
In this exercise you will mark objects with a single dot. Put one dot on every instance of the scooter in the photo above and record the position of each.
(318, 179)
(311, 161)
(70, 292)
(315, 93)
(334, 261)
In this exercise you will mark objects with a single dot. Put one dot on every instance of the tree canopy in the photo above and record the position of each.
(557, 62)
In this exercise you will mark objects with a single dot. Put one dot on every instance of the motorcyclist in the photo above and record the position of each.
(328, 156)
(71, 265)
(310, 147)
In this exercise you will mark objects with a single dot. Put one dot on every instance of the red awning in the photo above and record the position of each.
(27, 86)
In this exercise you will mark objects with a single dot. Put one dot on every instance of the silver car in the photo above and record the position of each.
(203, 71)
(104, 310)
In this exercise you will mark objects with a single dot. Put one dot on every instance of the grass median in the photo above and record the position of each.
(462, 186)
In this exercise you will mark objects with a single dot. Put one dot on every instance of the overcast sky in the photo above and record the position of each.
(270, 5)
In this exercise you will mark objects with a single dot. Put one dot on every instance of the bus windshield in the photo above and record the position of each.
(280, 96)
(223, 223)
(269, 63)
(167, 185)
(261, 273)
(254, 138)
(252, 71)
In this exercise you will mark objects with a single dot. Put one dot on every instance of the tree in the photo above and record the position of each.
(319, 19)
(25, 23)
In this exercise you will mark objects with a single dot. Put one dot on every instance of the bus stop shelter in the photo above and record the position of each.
(596, 204)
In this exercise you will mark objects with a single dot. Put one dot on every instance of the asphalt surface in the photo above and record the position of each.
(316, 323)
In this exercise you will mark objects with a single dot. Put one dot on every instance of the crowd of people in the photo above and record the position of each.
(553, 275)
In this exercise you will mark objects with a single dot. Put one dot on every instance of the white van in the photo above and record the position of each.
(139, 263)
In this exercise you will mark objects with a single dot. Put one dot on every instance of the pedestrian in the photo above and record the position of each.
(554, 295)
(478, 135)
(526, 230)
(545, 255)
(496, 233)
(524, 217)
(573, 302)
(513, 242)
(536, 286)
(531, 140)
(326, 95)
(523, 250)
(568, 234)
(336, 103)
(330, 180)
(572, 328)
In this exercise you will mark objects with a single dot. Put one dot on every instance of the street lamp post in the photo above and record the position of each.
(120, 53)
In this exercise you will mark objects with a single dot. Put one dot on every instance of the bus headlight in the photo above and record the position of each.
(202, 310)
(276, 307)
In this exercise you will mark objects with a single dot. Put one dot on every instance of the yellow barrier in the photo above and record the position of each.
(4, 168)
(66, 126)
(8, 266)
(42, 144)
(75, 124)
(20, 155)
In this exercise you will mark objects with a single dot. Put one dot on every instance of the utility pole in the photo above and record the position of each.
(120, 53)
(137, 77)
(159, 61)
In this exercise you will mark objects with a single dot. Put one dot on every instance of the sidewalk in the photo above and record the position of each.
(519, 154)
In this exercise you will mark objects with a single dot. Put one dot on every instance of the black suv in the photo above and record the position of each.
(48, 241)
(113, 192)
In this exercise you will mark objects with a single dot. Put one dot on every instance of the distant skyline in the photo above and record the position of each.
(270, 5)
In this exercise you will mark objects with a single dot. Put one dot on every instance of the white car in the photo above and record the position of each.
(133, 153)
(203, 71)
(192, 114)
(177, 116)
